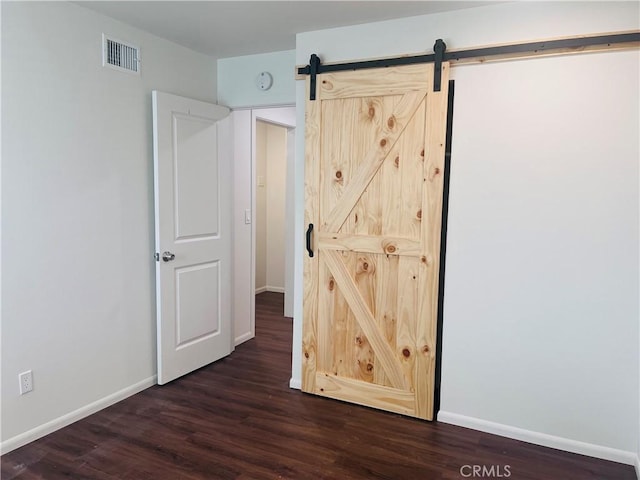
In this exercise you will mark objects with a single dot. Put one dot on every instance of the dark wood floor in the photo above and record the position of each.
(237, 419)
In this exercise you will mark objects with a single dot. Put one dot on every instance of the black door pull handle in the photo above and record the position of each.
(309, 233)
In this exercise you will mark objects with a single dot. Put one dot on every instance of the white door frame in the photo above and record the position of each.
(284, 117)
(245, 179)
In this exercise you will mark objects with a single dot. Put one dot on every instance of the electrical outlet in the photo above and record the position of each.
(26, 382)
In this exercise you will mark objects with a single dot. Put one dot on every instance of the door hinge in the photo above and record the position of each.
(156, 256)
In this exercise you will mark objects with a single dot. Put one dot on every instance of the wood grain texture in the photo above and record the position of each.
(355, 339)
(369, 244)
(390, 178)
(342, 324)
(237, 419)
(407, 314)
(375, 155)
(378, 82)
(365, 319)
(310, 267)
(386, 298)
(326, 305)
(411, 165)
(428, 284)
(354, 391)
(371, 322)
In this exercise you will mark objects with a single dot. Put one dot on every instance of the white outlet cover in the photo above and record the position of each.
(264, 81)
(26, 382)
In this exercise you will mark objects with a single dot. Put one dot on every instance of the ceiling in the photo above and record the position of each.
(225, 29)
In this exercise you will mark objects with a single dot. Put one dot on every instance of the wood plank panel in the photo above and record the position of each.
(430, 260)
(370, 203)
(355, 336)
(336, 159)
(361, 130)
(378, 82)
(343, 324)
(407, 314)
(363, 314)
(391, 178)
(411, 165)
(364, 279)
(403, 113)
(386, 309)
(326, 316)
(336, 151)
(365, 212)
(369, 244)
(362, 393)
(311, 272)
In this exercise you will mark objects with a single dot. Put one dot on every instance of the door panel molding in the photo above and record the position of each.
(191, 167)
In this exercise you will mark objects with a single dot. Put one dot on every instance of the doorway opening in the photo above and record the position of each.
(270, 212)
(247, 242)
(272, 186)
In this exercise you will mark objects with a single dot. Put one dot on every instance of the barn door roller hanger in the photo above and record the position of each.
(614, 41)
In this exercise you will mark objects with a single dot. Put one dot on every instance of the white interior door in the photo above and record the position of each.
(193, 233)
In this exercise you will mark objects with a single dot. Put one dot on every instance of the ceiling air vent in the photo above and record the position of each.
(120, 55)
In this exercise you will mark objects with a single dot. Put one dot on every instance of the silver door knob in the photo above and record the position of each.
(168, 256)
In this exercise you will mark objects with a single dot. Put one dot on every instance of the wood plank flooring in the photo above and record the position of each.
(238, 419)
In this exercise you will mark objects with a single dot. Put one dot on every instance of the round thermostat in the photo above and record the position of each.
(264, 81)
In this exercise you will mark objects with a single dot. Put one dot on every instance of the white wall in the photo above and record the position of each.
(237, 79)
(78, 305)
(541, 296)
(271, 169)
(290, 237)
(261, 220)
(276, 189)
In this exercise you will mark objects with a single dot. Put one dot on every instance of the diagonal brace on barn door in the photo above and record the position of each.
(365, 319)
(375, 157)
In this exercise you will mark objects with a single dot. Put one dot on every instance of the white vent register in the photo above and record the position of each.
(119, 55)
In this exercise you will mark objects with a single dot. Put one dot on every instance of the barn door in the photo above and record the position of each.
(375, 147)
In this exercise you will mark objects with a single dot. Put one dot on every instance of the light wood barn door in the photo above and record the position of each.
(375, 153)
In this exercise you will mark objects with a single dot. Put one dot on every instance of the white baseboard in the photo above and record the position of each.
(243, 338)
(269, 288)
(60, 422)
(295, 383)
(560, 443)
(637, 465)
